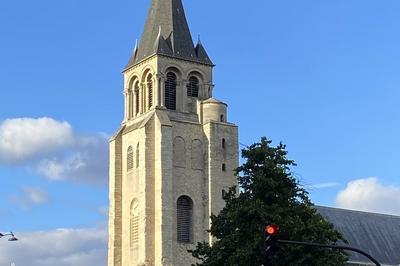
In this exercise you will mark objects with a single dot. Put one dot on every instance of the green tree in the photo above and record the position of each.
(269, 193)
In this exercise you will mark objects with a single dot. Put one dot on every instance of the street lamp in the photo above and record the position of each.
(12, 237)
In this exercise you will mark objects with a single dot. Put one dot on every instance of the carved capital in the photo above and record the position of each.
(160, 76)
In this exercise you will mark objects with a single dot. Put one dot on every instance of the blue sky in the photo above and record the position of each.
(321, 76)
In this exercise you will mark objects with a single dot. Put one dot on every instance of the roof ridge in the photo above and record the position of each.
(358, 211)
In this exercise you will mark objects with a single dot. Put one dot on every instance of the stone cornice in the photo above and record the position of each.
(178, 59)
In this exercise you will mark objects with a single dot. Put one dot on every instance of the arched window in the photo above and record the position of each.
(134, 225)
(129, 159)
(131, 97)
(137, 98)
(193, 87)
(150, 90)
(170, 91)
(222, 118)
(184, 213)
(223, 143)
(137, 155)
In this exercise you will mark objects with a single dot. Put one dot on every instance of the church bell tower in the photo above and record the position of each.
(175, 152)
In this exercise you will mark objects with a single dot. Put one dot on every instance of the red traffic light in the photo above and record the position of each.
(271, 229)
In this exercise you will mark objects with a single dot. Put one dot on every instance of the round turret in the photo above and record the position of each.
(214, 110)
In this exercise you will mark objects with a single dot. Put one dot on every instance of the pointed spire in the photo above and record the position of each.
(161, 46)
(134, 54)
(166, 29)
(202, 54)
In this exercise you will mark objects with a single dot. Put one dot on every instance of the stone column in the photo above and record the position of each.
(140, 99)
(185, 99)
(157, 90)
(161, 90)
(178, 94)
(127, 105)
(134, 114)
(143, 87)
(210, 87)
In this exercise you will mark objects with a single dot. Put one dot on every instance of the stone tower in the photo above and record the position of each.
(175, 152)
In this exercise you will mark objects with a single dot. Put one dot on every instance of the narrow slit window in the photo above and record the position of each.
(223, 167)
(223, 193)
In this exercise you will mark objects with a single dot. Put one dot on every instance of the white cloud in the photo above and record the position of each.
(29, 197)
(87, 163)
(62, 247)
(323, 185)
(53, 149)
(370, 195)
(36, 195)
(24, 139)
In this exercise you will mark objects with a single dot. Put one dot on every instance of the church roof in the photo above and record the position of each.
(376, 234)
(166, 32)
(213, 100)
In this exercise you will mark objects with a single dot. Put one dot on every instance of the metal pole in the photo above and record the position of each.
(288, 242)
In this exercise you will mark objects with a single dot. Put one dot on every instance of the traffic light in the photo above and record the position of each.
(270, 238)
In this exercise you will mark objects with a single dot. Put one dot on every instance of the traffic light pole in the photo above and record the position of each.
(309, 244)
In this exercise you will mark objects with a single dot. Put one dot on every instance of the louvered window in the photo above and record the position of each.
(150, 89)
(134, 230)
(129, 160)
(170, 91)
(130, 104)
(137, 100)
(193, 87)
(134, 226)
(184, 219)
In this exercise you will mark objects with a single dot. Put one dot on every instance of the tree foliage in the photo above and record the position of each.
(269, 193)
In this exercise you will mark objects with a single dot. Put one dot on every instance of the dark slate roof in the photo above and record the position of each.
(202, 54)
(166, 32)
(377, 234)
